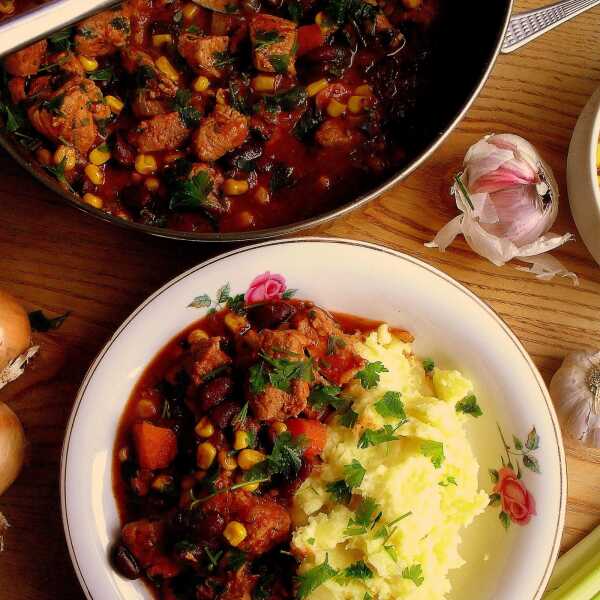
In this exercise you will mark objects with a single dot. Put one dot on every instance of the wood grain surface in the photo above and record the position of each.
(53, 257)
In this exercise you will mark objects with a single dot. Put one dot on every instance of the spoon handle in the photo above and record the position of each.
(37, 23)
(526, 26)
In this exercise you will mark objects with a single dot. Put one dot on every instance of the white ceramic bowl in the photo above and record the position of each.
(451, 325)
(582, 179)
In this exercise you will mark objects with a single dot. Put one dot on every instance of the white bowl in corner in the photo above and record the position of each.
(582, 179)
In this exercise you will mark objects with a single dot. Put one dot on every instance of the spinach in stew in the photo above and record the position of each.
(221, 430)
(229, 116)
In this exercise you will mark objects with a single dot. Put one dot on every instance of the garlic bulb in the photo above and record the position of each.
(12, 447)
(508, 198)
(575, 389)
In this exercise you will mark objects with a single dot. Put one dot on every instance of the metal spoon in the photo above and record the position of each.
(526, 26)
(37, 23)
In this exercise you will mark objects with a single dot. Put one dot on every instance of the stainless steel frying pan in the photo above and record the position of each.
(474, 34)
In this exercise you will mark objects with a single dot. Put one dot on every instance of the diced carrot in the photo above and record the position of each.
(155, 446)
(309, 38)
(314, 432)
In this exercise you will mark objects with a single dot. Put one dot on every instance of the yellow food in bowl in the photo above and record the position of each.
(382, 519)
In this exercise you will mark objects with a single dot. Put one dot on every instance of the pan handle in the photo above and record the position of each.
(526, 26)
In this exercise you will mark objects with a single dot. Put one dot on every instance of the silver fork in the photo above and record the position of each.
(526, 26)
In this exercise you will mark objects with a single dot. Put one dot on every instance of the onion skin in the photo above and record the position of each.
(12, 447)
(15, 330)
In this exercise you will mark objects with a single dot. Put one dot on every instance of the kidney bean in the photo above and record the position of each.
(271, 315)
(214, 392)
(125, 563)
(223, 414)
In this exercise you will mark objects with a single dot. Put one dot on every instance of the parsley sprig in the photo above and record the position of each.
(374, 437)
(308, 582)
(278, 372)
(391, 406)
(369, 376)
(468, 405)
(192, 194)
(285, 459)
(365, 517)
(341, 490)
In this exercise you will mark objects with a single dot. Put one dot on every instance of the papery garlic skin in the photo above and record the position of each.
(508, 197)
(576, 398)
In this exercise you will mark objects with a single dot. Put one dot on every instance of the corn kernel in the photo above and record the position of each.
(227, 461)
(235, 187)
(190, 11)
(236, 323)
(94, 174)
(205, 455)
(279, 427)
(145, 164)
(363, 90)
(204, 428)
(161, 38)
(235, 533)
(335, 108)
(262, 195)
(89, 64)
(115, 105)
(98, 156)
(240, 440)
(312, 89)
(197, 335)
(264, 83)
(152, 184)
(66, 154)
(356, 104)
(7, 7)
(162, 483)
(93, 200)
(166, 68)
(201, 84)
(248, 458)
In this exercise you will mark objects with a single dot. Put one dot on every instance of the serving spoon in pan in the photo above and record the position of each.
(40, 22)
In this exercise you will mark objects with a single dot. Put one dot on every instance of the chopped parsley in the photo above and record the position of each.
(314, 578)
(307, 124)
(374, 437)
(365, 517)
(391, 406)
(286, 101)
(428, 365)
(414, 573)
(278, 372)
(369, 376)
(391, 552)
(280, 62)
(192, 194)
(348, 418)
(121, 24)
(335, 342)
(105, 74)
(14, 120)
(53, 106)
(323, 396)
(59, 172)
(60, 41)
(222, 59)
(340, 491)
(450, 480)
(263, 38)
(213, 558)
(434, 450)
(189, 115)
(285, 459)
(350, 11)
(469, 406)
(358, 570)
(354, 473)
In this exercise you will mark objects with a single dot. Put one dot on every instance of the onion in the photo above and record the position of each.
(15, 338)
(12, 447)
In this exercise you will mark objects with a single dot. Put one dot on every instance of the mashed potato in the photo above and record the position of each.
(412, 535)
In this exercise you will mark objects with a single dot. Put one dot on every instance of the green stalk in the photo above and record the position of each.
(576, 575)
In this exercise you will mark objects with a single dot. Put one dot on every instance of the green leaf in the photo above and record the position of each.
(308, 123)
(105, 74)
(391, 406)
(348, 418)
(40, 322)
(280, 62)
(365, 516)
(494, 499)
(314, 578)
(354, 473)
(61, 40)
(518, 443)
(414, 573)
(469, 406)
(428, 365)
(224, 293)
(358, 570)
(14, 121)
(192, 194)
(202, 301)
(59, 172)
(450, 480)
(263, 38)
(347, 11)
(258, 378)
(434, 450)
(285, 459)
(189, 115)
(237, 304)
(494, 476)
(281, 371)
(222, 59)
(289, 293)
(213, 558)
(533, 440)
(323, 396)
(391, 552)
(311, 541)
(340, 491)
(532, 463)
(504, 519)
(373, 437)
(54, 105)
(369, 376)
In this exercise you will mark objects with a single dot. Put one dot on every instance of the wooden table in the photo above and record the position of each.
(54, 257)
